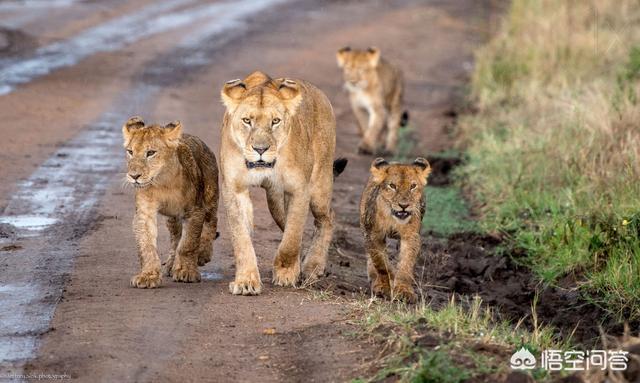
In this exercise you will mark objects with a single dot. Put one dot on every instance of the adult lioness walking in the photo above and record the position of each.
(280, 135)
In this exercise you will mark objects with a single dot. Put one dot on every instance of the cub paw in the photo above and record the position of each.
(286, 276)
(249, 284)
(147, 280)
(365, 149)
(405, 293)
(380, 287)
(312, 270)
(204, 258)
(186, 274)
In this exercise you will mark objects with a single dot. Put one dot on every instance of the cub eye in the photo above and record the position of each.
(246, 121)
(392, 186)
(275, 121)
(130, 152)
(413, 186)
(151, 153)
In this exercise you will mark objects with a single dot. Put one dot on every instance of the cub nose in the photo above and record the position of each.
(403, 206)
(135, 176)
(260, 149)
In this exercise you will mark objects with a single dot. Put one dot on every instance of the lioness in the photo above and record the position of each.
(177, 176)
(375, 91)
(392, 205)
(281, 135)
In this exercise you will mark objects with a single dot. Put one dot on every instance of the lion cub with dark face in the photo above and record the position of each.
(375, 91)
(175, 175)
(392, 205)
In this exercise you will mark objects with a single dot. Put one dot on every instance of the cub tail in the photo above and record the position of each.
(404, 120)
(338, 166)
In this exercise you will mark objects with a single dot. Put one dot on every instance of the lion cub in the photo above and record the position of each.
(392, 205)
(175, 175)
(375, 90)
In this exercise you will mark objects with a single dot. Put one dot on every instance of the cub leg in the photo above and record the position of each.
(240, 217)
(146, 233)
(185, 266)
(393, 125)
(286, 266)
(362, 117)
(377, 118)
(403, 282)
(316, 259)
(175, 231)
(378, 267)
(209, 233)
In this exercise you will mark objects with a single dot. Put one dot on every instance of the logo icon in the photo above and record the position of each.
(523, 359)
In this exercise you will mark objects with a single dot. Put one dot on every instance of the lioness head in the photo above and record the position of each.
(149, 149)
(357, 65)
(401, 186)
(260, 112)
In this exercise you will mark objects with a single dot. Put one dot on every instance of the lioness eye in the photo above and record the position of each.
(275, 121)
(150, 153)
(130, 152)
(246, 121)
(392, 186)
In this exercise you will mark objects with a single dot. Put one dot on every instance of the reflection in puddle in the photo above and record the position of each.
(29, 222)
(208, 275)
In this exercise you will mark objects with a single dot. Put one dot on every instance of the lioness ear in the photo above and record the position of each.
(374, 56)
(131, 124)
(290, 92)
(341, 55)
(379, 169)
(173, 131)
(423, 165)
(232, 92)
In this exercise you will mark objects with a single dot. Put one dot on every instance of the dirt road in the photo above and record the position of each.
(66, 246)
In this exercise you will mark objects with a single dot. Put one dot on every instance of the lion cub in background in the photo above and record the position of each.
(392, 205)
(175, 175)
(375, 90)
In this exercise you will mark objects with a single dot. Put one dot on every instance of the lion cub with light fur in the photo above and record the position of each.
(175, 175)
(392, 205)
(278, 134)
(375, 91)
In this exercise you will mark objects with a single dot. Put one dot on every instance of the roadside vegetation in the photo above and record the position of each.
(553, 149)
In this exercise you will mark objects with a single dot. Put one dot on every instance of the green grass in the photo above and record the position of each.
(447, 212)
(554, 149)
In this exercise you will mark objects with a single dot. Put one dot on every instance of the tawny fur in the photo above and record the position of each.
(293, 122)
(393, 188)
(375, 90)
(175, 175)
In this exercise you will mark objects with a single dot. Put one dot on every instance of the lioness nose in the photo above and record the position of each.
(403, 206)
(135, 176)
(260, 149)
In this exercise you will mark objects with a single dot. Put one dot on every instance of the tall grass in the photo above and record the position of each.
(554, 148)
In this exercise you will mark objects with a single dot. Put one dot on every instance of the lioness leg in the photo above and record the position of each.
(275, 201)
(146, 232)
(209, 233)
(175, 231)
(286, 267)
(316, 259)
(403, 282)
(377, 120)
(239, 211)
(185, 266)
(379, 269)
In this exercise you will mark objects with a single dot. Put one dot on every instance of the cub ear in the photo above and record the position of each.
(290, 92)
(232, 92)
(423, 165)
(128, 127)
(341, 55)
(379, 169)
(173, 131)
(374, 56)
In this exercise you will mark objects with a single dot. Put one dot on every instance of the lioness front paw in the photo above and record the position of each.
(404, 292)
(147, 280)
(286, 276)
(185, 274)
(249, 284)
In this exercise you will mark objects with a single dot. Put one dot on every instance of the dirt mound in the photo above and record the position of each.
(14, 42)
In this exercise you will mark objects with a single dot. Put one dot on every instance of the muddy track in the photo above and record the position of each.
(90, 323)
